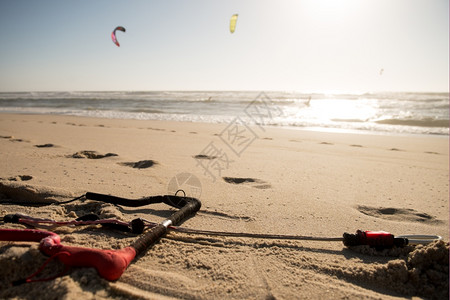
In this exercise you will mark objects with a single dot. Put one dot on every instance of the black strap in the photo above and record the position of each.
(174, 201)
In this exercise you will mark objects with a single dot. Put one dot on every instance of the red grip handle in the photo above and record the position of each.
(377, 239)
(110, 264)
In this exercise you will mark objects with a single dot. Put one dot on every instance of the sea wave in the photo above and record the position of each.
(425, 113)
(426, 122)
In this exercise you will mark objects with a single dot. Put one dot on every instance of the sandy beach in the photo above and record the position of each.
(263, 180)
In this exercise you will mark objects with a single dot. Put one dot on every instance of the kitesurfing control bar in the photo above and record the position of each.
(110, 264)
(188, 206)
(150, 237)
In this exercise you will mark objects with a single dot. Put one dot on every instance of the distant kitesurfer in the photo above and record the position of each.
(308, 102)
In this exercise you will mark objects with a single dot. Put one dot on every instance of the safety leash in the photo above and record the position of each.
(110, 264)
(377, 239)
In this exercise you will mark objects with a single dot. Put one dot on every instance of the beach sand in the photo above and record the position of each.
(261, 180)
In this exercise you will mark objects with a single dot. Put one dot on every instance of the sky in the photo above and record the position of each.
(286, 45)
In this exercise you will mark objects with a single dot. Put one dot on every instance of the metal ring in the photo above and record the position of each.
(415, 239)
(166, 223)
(180, 191)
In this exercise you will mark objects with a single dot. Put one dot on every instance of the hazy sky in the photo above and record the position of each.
(298, 45)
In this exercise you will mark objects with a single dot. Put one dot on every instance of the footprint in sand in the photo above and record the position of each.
(20, 178)
(203, 156)
(142, 164)
(431, 152)
(253, 182)
(19, 140)
(156, 129)
(397, 214)
(44, 146)
(91, 154)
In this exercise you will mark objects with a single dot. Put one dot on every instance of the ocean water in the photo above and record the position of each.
(409, 113)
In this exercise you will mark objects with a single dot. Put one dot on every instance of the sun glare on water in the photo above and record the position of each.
(342, 110)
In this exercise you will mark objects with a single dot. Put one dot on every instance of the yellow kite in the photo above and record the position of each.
(233, 23)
